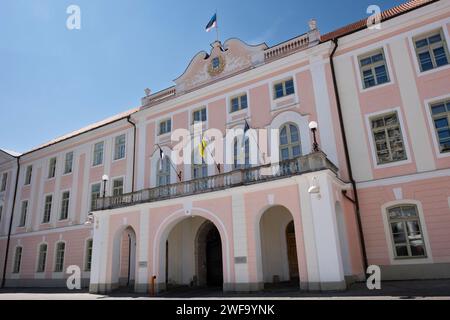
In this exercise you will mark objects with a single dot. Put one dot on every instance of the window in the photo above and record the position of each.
(51, 168)
(4, 180)
(284, 88)
(241, 157)
(1, 212)
(163, 178)
(95, 194)
(98, 154)
(406, 232)
(23, 213)
(440, 113)
(118, 187)
(289, 142)
(199, 170)
(68, 162)
(215, 63)
(59, 258)
(388, 138)
(64, 205)
(199, 115)
(47, 208)
(165, 126)
(17, 260)
(42, 258)
(119, 147)
(88, 260)
(28, 174)
(373, 69)
(239, 103)
(431, 50)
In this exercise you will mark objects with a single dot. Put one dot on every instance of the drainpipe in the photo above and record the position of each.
(10, 223)
(347, 158)
(134, 151)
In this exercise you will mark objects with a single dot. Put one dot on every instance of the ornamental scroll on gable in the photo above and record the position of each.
(224, 60)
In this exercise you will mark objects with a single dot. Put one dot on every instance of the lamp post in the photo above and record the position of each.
(313, 127)
(105, 179)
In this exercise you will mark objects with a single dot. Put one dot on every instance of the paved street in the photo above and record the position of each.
(424, 289)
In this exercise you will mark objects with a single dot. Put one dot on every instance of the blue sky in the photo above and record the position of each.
(54, 80)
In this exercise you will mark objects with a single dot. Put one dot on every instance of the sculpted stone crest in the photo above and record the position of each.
(216, 66)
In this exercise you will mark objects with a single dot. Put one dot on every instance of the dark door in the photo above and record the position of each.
(292, 252)
(214, 274)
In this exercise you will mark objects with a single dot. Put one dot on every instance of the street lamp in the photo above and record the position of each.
(313, 127)
(105, 179)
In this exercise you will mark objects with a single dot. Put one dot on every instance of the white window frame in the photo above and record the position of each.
(158, 129)
(85, 259)
(93, 153)
(90, 193)
(56, 254)
(370, 137)
(427, 104)
(368, 50)
(30, 175)
(51, 208)
(114, 147)
(405, 261)
(112, 184)
(65, 163)
(274, 102)
(422, 31)
(50, 168)
(4, 181)
(61, 204)
(368, 54)
(20, 225)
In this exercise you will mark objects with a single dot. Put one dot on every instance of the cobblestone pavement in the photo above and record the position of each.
(423, 289)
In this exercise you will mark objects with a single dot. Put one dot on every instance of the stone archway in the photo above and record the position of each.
(193, 254)
(124, 259)
(209, 256)
(279, 255)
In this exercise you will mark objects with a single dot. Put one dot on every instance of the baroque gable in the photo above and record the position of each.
(223, 60)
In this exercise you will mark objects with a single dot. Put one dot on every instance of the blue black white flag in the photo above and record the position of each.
(212, 23)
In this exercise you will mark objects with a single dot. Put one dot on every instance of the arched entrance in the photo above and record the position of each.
(194, 255)
(279, 258)
(124, 259)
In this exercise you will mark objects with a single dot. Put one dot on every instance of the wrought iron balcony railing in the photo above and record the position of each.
(309, 163)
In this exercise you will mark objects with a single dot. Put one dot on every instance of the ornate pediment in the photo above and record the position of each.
(223, 60)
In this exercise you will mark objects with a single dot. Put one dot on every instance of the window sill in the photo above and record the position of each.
(374, 88)
(435, 70)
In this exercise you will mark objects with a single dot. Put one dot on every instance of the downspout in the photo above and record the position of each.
(11, 222)
(347, 158)
(134, 151)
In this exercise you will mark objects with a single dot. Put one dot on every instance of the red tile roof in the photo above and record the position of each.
(385, 15)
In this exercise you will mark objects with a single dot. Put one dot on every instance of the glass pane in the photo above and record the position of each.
(284, 154)
(436, 109)
(440, 56)
(377, 57)
(421, 43)
(244, 102)
(381, 74)
(366, 61)
(425, 61)
(413, 228)
(294, 133)
(278, 90)
(369, 80)
(401, 251)
(434, 38)
(296, 151)
(441, 123)
(417, 250)
(397, 227)
(289, 87)
(283, 136)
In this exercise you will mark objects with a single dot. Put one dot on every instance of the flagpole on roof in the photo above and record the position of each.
(217, 27)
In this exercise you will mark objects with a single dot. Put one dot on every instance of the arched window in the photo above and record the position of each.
(289, 142)
(59, 256)
(241, 156)
(406, 231)
(42, 258)
(163, 176)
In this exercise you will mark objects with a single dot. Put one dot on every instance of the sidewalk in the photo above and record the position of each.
(418, 289)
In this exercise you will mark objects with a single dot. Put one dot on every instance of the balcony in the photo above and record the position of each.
(316, 161)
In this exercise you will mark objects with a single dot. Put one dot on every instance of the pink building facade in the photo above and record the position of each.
(381, 101)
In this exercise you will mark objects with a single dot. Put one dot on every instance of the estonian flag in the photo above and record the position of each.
(212, 23)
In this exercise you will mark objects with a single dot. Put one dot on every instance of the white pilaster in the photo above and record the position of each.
(240, 239)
